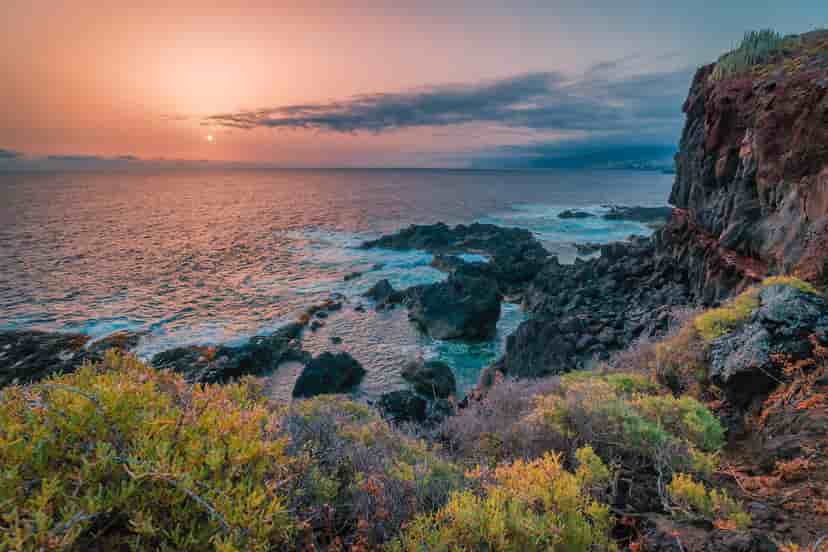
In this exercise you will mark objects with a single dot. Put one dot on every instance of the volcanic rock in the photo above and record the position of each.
(329, 373)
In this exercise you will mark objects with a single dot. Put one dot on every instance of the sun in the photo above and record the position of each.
(210, 138)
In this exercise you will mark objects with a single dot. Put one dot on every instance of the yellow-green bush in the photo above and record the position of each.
(717, 322)
(535, 505)
(669, 433)
(691, 499)
(120, 456)
(684, 417)
(791, 281)
(124, 455)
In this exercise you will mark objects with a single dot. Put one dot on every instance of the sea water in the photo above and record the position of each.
(217, 256)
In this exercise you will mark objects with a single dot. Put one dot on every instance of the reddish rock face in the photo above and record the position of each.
(752, 170)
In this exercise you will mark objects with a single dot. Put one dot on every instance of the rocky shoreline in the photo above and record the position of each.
(578, 314)
(465, 306)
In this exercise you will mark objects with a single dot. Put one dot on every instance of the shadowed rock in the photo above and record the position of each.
(383, 294)
(262, 354)
(593, 308)
(744, 362)
(403, 406)
(328, 373)
(432, 378)
(515, 255)
(573, 214)
(27, 356)
(122, 341)
(459, 308)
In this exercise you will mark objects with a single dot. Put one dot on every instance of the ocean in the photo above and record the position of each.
(217, 256)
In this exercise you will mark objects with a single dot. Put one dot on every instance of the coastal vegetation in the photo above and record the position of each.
(755, 48)
(119, 454)
(122, 455)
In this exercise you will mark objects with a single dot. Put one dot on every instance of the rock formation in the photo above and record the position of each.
(328, 373)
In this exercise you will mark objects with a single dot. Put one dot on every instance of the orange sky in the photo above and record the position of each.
(106, 78)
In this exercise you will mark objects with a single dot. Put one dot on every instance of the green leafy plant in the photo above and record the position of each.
(756, 48)
(717, 322)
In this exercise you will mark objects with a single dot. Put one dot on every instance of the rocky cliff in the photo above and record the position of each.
(750, 200)
(751, 187)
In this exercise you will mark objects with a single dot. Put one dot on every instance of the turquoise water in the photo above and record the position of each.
(218, 256)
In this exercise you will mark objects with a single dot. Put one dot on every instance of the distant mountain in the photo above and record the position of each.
(632, 157)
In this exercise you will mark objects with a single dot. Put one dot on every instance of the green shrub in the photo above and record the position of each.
(692, 500)
(121, 455)
(756, 48)
(685, 417)
(791, 281)
(659, 430)
(717, 322)
(620, 382)
(535, 505)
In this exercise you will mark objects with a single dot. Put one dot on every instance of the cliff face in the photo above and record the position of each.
(751, 187)
(750, 200)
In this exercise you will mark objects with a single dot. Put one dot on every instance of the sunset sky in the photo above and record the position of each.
(446, 83)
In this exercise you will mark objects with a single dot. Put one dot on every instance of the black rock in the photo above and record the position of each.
(352, 276)
(336, 340)
(383, 294)
(742, 362)
(588, 248)
(125, 341)
(328, 373)
(27, 356)
(262, 354)
(573, 214)
(594, 308)
(515, 255)
(459, 308)
(403, 406)
(432, 378)
(639, 214)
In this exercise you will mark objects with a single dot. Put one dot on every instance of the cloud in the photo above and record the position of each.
(10, 155)
(77, 158)
(597, 102)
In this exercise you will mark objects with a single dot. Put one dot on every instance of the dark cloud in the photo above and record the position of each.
(76, 158)
(6, 154)
(596, 102)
